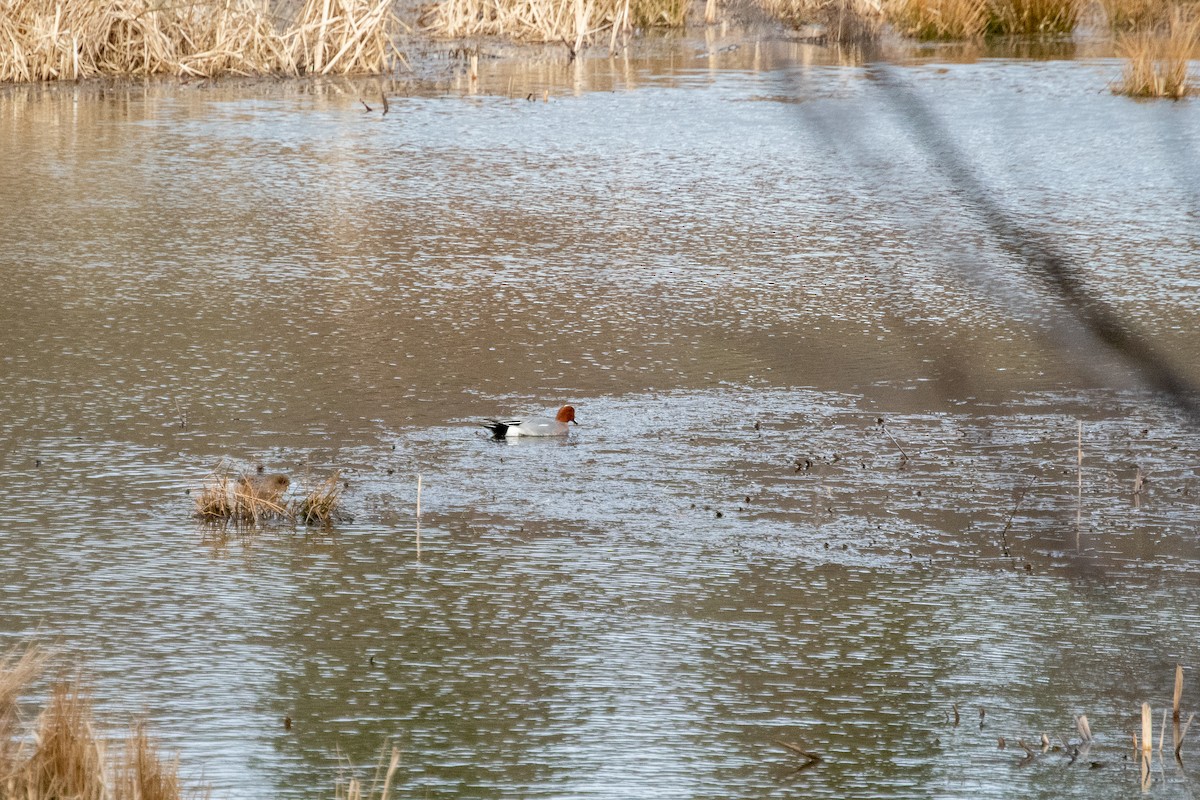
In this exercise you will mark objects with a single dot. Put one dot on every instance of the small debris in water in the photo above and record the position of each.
(1003, 744)
(719, 515)
(391, 472)
(287, 723)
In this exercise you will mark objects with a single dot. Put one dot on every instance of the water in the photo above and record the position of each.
(824, 489)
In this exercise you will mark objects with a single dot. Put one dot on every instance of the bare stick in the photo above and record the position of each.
(1162, 732)
(418, 515)
(1183, 733)
(1079, 487)
(383, 99)
(1018, 497)
(883, 425)
(1178, 684)
(1085, 730)
(1147, 730)
(811, 757)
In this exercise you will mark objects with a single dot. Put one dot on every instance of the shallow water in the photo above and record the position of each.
(735, 263)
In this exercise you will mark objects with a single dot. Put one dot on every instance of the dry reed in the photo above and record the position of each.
(319, 506)
(256, 499)
(573, 22)
(52, 40)
(381, 784)
(60, 755)
(1157, 57)
(971, 19)
(842, 21)
(940, 19)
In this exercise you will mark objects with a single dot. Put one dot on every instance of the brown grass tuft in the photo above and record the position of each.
(1034, 17)
(60, 755)
(254, 499)
(54, 40)
(940, 19)
(320, 505)
(844, 21)
(573, 22)
(1157, 58)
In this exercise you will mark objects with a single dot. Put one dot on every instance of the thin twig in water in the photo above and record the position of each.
(811, 757)
(1183, 733)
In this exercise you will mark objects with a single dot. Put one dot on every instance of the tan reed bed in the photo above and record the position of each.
(573, 22)
(940, 19)
(53, 40)
(1157, 57)
(60, 754)
(257, 499)
(843, 21)
(971, 19)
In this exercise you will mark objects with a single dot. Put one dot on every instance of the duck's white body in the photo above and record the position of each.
(558, 425)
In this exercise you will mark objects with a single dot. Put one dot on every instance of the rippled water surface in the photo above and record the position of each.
(825, 490)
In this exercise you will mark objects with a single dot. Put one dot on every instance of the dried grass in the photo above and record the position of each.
(60, 755)
(1157, 58)
(1034, 17)
(319, 506)
(381, 785)
(255, 499)
(940, 19)
(55, 40)
(972, 19)
(573, 22)
(843, 21)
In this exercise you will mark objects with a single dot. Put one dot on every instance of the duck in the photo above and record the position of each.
(558, 425)
(268, 487)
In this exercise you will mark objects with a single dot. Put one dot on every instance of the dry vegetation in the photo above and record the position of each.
(59, 755)
(255, 499)
(970, 19)
(574, 22)
(52, 40)
(1157, 55)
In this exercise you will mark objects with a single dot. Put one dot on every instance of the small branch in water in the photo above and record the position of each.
(883, 427)
(1139, 483)
(1079, 488)
(1018, 498)
(811, 758)
(1183, 733)
(364, 102)
(418, 515)
(383, 99)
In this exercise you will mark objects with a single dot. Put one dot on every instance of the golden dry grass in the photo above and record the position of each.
(1157, 58)
(940, 19)
(61, 755)
(255, 499)
(971, 19)
(842, 21)
(319, 505)
(573, 22)
(54, 40)
(381, 785)
(1034, 17)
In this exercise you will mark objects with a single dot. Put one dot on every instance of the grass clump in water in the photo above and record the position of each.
(257, 498)
(1156, 57)
(60, 755)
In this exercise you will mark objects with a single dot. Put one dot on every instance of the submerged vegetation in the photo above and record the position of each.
(255, 499)
(49, 40)
(60, 754)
